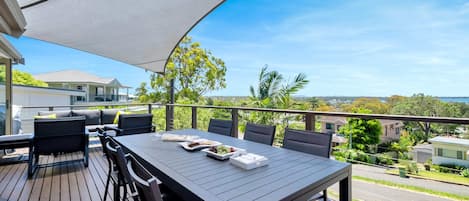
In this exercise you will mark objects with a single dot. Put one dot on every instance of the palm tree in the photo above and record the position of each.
(271, 90)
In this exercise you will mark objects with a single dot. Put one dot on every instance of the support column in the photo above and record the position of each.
(310, 122)
(8, 96)
(194, 117)
(87, 91)
(234, 118)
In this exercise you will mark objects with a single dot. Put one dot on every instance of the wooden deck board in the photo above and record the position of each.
(71, 181)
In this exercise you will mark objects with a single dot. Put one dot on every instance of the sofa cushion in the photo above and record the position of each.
(92, 116)
(107, 116)
(58, 113)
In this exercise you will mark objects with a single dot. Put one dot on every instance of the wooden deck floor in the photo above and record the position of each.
(71, 181)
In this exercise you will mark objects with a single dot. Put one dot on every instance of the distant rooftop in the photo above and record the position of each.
(450, 140)
(76, 76)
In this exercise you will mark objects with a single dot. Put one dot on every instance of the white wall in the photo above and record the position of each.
(442, 160)
(37, 96)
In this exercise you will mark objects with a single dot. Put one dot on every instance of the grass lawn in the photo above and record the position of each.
(413, 188)
(437, 176)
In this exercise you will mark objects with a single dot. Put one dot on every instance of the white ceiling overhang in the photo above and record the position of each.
(9, 52)
(12, 21)
(142, 33)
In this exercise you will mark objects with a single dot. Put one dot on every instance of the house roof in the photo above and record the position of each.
(142, 34)
(450, 140)
(343, 120)
(76, 76)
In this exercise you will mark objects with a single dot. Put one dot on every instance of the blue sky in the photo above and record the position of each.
(347, 48)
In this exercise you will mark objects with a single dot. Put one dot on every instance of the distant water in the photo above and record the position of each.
(455, 99)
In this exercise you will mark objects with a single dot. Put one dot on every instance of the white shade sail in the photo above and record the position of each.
(142, 33)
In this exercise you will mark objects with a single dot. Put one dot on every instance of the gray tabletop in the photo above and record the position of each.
(290, 175)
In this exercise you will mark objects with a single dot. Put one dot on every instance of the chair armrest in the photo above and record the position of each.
(117, 130)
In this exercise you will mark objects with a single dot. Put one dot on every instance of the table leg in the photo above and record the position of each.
(345, 188)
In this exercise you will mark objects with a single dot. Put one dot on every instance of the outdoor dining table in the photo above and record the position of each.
(290, 175)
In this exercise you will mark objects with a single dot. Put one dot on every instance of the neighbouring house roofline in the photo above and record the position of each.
(77, 76)
(58, 90)
(449, 140)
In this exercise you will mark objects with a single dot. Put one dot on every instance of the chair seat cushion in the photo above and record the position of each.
(13, 138)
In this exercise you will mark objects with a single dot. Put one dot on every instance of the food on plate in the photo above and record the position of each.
(193, 144)
(201, 143)
(222, 150)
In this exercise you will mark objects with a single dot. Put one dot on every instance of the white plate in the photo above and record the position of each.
(185, 145)
(224, 156)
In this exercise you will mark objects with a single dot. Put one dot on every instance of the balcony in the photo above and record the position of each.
(87, 182)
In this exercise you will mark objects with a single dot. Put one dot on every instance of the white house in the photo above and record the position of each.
(97, 89)
(447, 150)
(31, 96)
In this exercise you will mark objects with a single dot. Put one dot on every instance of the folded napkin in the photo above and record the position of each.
(177, 138)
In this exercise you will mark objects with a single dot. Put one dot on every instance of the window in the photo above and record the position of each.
(459, 155)
(329, 126)
(99, 91)
(449, 153)
(439, 152)
(79, 87)
(398, 131)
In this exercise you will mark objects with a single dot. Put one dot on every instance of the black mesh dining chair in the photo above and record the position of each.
(259, 133)
(121, 175)
(145, 183)
(129, 124)
(310, 142)
(222, 127)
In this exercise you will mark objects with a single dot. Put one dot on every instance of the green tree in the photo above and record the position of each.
(422, 105)
(375, 105)
(142, 93)
(21, 78)
(195, 72)
(364, 133)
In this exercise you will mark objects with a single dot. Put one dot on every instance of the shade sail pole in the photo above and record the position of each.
(170, 109)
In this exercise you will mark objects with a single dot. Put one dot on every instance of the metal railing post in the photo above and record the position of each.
(234, 118)
(51, 108)
(310, 122)
(169, 117)
(194, 117)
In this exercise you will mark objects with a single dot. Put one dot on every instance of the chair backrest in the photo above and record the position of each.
(222, 127)
(93, 117)
(308, 142)
(108, 116)
(146, 184)
(259, 133)
(118, 158)
(59, 135)
(135, 123)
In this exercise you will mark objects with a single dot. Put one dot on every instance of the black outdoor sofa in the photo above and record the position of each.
(56, 136)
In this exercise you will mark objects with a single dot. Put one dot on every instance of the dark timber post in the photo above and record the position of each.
(169, 118)
(170, 108)
(150, 108)
(234, 118)
(310, 121)
(194, 117)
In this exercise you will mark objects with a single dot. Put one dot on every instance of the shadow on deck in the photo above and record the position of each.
(71, 181)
